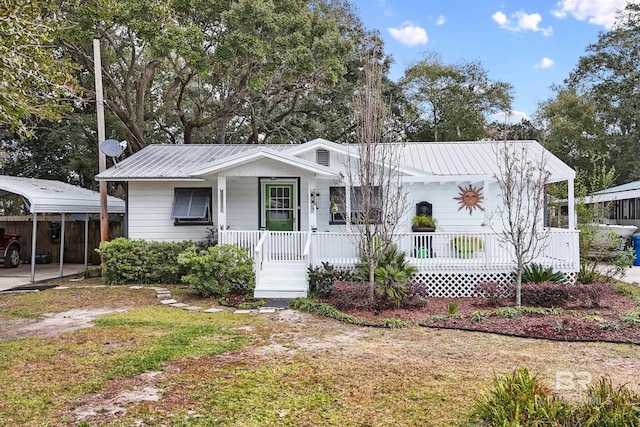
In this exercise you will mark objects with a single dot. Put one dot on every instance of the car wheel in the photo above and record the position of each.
(13, 257)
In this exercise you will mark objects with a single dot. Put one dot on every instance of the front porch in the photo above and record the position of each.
(281, 258)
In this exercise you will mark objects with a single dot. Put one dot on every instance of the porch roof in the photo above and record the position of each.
(47, 196)
(257, 154)
(172, 161)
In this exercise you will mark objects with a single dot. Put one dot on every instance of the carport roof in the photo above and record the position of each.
(47, 196)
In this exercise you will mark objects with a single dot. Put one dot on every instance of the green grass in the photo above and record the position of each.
(40, 376)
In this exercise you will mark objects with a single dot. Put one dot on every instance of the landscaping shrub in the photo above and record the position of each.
(607, 405)
(218, 271)
(353, 296)
(392, 257)
(551, 294)
(495, 292)
(415, 297)
(139, 261)
(536, 273)
(546, 294)
(519, 399)
(322, 277)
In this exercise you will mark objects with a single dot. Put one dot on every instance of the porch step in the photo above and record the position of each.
(282, 280)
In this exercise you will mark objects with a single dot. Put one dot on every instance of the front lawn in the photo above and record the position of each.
(159, 365)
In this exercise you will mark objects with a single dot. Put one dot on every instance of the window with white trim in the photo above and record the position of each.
(191, 206)
(338, 206)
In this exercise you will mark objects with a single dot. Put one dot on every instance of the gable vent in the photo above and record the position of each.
(322, 157)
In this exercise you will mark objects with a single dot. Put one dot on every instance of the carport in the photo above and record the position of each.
(43, 196)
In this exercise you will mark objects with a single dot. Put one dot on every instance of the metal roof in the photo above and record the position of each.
(434, 160)
(47, 196)
(261, 153)
(475, 158)
(174, 161)
(635, 185)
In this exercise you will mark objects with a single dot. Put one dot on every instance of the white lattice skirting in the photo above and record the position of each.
(463, 284)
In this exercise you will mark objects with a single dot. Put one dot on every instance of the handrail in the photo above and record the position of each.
(307, 249)
(257, 259)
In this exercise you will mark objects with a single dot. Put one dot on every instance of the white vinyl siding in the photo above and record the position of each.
(150, 207)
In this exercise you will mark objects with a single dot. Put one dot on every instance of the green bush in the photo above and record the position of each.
(218, 271)
(607, 405)
(140, 261)
(537, 273)
(519, 399)
(322, 277)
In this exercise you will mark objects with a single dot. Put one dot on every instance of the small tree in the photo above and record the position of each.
(381, 200)
(522, 181)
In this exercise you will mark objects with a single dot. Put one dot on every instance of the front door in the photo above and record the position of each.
(279, 206)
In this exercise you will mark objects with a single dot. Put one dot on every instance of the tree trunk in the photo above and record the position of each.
(519, 287)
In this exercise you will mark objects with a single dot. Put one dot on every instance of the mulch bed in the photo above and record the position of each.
(574, 324)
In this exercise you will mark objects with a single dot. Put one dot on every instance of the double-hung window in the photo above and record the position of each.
(192, 206)
(338, 208)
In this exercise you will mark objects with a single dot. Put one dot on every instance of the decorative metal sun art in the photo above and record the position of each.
(470, 198)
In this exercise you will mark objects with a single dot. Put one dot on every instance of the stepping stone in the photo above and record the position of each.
(192, 308)
(179, 304)
(168, 301)
(267, 310)
(164, 295)
(61, 287)
(136, 287)
(213, 310)
(99, 286)
(242, 312)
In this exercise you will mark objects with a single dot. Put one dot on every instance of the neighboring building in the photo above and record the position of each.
(287, 205)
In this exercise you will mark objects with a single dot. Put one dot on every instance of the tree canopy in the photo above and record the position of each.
(597, 111)
(454, 100)
(34, 76)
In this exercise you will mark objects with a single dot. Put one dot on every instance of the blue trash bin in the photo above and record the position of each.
(636, 247)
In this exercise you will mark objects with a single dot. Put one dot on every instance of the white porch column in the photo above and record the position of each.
(312, 205)
(222, 202)
(571, 205)
(487, 201)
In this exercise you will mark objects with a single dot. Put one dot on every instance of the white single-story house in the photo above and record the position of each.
(279, 201)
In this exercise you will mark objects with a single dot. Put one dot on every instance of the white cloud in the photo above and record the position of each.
(511, 117)
(545, 63)
(441, 20)
(409, 34)
(521, 21)
(597, 12)
(500, 18)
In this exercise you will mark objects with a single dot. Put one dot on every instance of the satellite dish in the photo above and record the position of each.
(113, 148)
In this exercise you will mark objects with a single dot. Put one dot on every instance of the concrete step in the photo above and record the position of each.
(277, 293)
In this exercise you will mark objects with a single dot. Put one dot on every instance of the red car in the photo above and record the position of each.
(10, 248)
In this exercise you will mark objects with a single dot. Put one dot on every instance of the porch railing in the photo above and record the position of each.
(432, 251)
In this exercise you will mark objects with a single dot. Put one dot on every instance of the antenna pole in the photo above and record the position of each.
(102, 158)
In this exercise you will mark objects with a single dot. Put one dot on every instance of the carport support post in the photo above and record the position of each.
(62, 245)
(33, 247)
(86, 239)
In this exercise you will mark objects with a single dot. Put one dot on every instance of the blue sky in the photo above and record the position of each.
(531, 44)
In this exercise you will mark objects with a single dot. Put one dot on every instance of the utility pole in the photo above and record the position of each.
(102, 158)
